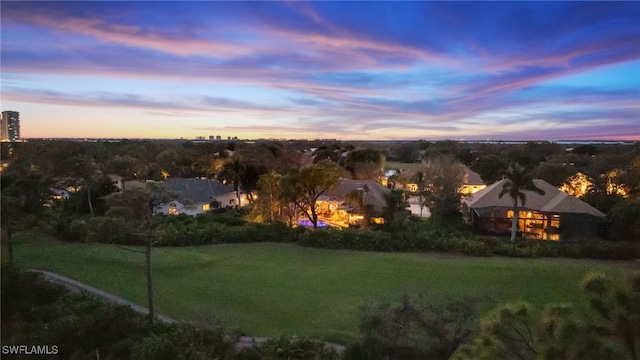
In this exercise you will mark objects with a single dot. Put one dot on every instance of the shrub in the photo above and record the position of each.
(78, 230)
(105, 229)
(413, 329)
(36, 311)
(291, 348)
(475, 248)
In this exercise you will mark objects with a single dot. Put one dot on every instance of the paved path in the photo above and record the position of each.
(76, 286)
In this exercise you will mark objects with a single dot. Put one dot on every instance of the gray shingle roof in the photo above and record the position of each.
(196, 190)
(472, 178)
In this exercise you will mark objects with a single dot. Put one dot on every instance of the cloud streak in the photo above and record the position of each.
(362, 69)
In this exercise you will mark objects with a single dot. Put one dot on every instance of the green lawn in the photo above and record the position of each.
(269, 289)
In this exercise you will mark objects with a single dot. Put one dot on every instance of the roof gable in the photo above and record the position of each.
(472, 178)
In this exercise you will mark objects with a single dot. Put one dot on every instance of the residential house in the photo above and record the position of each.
(195, 196)
(472, 184)
(335, 208)
(553, 216)
(472, 181)
(60, 194)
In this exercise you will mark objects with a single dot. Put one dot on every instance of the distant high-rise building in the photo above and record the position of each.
(10, 126)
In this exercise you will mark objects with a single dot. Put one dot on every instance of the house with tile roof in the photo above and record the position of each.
(195, 196)
(555, 215)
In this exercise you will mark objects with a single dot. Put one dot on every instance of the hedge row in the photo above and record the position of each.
(215, 233)
(112, 230)
(204, 230)
(466, 244)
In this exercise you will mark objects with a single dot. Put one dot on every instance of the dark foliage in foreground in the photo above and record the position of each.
(609, 330)
(413, 329)
(37, 312)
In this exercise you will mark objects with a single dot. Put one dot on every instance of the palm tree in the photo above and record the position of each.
(232, 172)
(518, 181)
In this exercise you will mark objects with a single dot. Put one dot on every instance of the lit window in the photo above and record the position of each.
(173, 211)
(205, 207)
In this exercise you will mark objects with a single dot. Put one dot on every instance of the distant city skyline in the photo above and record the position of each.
(339, 70)
(10, 126)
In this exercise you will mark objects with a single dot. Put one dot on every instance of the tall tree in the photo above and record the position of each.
(304, 186)
(78, 171)
(136, 206)
(232, 172)
(396, 215)
(365, 163)
(419, 179)
(267, 207)
(443, 176)
(490, 167)
(125, 166)
(518, 180)
(24, 191)
(357, 199)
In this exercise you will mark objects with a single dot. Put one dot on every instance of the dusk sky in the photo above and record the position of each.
(345, 70)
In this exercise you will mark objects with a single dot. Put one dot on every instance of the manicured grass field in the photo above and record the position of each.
(269, 289)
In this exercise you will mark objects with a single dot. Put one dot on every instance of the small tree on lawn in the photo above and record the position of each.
(136, 206)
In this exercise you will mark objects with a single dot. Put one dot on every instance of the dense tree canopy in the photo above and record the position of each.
(304, 186)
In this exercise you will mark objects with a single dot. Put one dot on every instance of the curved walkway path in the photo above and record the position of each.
(76, 286)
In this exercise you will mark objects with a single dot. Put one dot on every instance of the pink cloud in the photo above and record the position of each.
(134, 36)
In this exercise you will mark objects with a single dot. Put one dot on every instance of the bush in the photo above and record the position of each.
(475, 248)
(413, 329)
(185, 234)
(106, 229)
(290, 348)
(78, 231)
(36, 311)
(625, 221)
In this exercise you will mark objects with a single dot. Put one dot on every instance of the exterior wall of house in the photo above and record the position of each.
(331, 213)
(228, 199)
(414, 207)
(581, 227)
(176, 208)
(467, 189)
(537, 225)
(171, 208)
